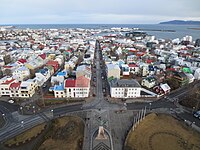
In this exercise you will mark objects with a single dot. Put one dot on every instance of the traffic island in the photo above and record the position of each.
(161, 131)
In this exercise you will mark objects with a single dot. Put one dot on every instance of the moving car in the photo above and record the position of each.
(11, 101)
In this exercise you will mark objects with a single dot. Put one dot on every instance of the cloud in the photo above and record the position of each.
(90, 11)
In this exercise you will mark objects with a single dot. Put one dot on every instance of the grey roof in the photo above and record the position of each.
(124, 83)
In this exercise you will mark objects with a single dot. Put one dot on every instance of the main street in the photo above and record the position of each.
(115, 123)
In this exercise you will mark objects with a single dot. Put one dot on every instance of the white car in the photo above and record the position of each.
(11, 101)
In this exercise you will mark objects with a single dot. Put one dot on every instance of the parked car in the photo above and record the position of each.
(197, 114)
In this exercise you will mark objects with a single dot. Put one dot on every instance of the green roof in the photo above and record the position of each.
(187, 70)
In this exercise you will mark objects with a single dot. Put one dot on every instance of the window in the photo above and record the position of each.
(56, 92)
(2, 88)
(69, 90)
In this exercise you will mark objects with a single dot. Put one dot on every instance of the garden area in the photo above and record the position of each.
(162, 132)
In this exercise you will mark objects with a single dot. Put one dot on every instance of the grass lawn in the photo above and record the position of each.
(26, 135)
(67, 133)
(162, 132)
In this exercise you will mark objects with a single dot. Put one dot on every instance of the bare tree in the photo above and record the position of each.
(8, 72)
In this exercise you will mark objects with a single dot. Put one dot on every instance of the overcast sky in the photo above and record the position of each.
(97, 11)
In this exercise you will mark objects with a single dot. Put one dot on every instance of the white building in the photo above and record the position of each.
(5, 85)
(125, 88)
(197, 74)
(59, 91)
(15, 89)
(149, 82)
(70, 88)
(134, 69)
(21, 73)
(125, 69)
(77, 88)
(113, 71)
(131, 59)
(27, 88)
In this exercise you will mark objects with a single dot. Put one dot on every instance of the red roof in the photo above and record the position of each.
(149, 61)
(22, 61)
(69, 50)
(43, 56)
(8, 81)
(132, 65)
(132, 50)
(70, 83)
(52, 62)
(140, 54)
(7, 67)
(171, 69)
(15, 85)
(82, 81)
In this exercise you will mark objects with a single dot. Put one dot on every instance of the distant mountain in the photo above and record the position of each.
(181, 22)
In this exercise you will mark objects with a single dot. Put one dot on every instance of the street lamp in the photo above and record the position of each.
(21, 108)
(22, 123)
(149, 106)
(193, 109)
(52, 112)
(3, 115)
(33, 109)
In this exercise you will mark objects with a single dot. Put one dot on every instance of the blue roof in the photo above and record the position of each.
(22, 68)
(59, 87)
(62, 73)
(43, 71)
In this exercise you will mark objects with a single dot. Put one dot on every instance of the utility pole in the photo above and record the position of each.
(42, 94)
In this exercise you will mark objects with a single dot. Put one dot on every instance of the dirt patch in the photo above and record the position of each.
(162, 132)
(191, 99)
(67, 133)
